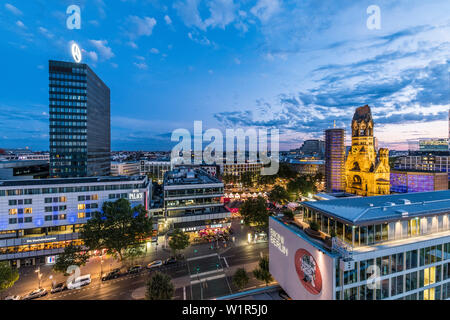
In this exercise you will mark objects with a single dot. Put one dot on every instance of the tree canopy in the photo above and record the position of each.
(279, 195)
(8, 276)
(72, 255)
(240, 278)
(262, 271)
(179, 241)
(117, 227)
(254, 212)
(160, 287)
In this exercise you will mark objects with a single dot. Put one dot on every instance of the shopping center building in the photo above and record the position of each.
(393, 247)
(39, 217)
(193, 202)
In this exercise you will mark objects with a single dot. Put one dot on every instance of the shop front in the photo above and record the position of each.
(206, 230)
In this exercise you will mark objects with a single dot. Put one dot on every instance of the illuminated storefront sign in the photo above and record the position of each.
(39, 240)
(278, 241)
(308, 271)
(136, 195)
(50, 260)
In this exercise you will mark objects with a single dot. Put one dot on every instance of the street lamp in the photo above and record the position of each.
(38, 271)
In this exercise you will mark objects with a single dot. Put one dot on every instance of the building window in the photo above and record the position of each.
(28, 210)
(81, 215)
(81, 206)
(12, 211)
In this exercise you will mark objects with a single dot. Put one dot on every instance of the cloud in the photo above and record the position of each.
(167, 19)
(141, 65)
(91, 54)
(132, 44)
(154, 51)
(105, 51)
(141, 26)
(20, 24)
(237, 61)
(200, 39)
(13, 9)
(221, 13)
(45, 32)
(264, 10)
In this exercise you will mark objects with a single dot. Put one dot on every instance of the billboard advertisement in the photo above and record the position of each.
(301, 269)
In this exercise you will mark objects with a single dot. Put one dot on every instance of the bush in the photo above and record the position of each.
(314, 226)
(332, 233)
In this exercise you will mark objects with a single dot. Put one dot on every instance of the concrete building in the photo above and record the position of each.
(404, 181)
(427, 162)
(125, 168)
(193, 202)
(24, 169)
(156, 169)
(393, 247)
(39, 218)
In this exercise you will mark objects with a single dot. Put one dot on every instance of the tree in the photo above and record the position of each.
(117, 227)
(254, 212)
(286, 172)
(160, 287)
(8, 276)
(262, 271)
(240, 278)
(72, 255)
(133, 252)
(288, 214)
(178, 241)
(247, 179)
(279, 195)
(266, 179)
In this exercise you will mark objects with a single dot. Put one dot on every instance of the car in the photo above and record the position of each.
(155, 264)
(135, 269)
(12, 298)
(114, 274)
(58, 287)
(38, 293)
(79, 282)
(284, 295)
(170, 260)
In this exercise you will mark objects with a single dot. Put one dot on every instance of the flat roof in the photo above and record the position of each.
(54, 181)
(21, 163)
(188, 176)
(384, 208)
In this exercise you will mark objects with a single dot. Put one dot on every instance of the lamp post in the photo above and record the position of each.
(38, 271)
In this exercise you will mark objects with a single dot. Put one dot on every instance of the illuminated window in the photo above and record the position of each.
(81, 215)
(81, 206)
(94, 197)
(63, 199)
(28, 210)
(12, 211)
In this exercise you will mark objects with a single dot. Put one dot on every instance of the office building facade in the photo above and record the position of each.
(335, 160)
(40, 217)
(193, 201)
(427, 162)
(80, 133)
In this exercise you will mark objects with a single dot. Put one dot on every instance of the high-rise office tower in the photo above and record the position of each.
(80, 133)
(335, 160)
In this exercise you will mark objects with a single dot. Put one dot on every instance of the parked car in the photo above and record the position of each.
(12, 298)
(155, 264)
(58, 287)
(170, 260)
(135, 269)
(38, 293)
(80, 281)
(114, 274)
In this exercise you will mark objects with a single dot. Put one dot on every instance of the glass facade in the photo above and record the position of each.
(79, 108)
(335, 160)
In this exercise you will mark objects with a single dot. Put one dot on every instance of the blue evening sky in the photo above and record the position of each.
(292, 65)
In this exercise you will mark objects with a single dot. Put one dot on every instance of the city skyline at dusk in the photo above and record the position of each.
(296, 67)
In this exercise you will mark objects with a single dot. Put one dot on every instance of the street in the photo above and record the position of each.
(131, 287)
